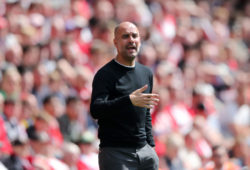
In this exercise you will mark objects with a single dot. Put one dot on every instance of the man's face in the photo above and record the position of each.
(9, 110)
(127, 41)
(219, 157)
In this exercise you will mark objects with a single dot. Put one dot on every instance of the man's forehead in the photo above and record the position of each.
(127, 28)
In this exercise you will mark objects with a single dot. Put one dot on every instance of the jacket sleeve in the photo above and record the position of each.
(101, 104)
(148, 125)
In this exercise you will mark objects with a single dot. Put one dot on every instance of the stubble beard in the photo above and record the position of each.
(130, 56)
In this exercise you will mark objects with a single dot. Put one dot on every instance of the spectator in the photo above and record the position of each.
(11, 121)
(71, 154)
(43, 147)
(188, 154)
(72, 123)
(19, 159)
(10, 85)
(174, 144)
(5, 145)
(220, 159)
(52, 105)
(89, 156)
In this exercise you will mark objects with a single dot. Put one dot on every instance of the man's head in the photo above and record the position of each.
(127, 41)
(52, 104)
(73, 107)
(219, 156)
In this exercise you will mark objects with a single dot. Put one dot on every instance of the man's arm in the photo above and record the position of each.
(100, 104)
(148, 125)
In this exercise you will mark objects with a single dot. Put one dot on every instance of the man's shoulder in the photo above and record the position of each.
(63, 118)
(108, 66)
(143, 68)
(107, 69)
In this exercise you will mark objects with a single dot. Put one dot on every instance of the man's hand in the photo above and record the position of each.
(147, 100)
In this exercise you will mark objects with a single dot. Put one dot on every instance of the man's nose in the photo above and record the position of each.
(131, 39)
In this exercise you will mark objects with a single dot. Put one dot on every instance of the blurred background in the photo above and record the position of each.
(198, 51)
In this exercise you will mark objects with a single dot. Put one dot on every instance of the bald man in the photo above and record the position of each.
(121, 101)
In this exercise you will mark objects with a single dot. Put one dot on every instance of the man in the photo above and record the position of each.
(121, 102)
(72, 122)
(220, 160)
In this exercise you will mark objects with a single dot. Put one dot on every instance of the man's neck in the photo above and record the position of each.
(125, 62)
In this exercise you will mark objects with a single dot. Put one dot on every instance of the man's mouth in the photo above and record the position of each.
(131, 48)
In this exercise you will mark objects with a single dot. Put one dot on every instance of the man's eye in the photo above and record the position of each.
(125, 36)
(135, 35)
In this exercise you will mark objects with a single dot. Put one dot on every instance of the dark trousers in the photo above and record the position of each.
(112, 158)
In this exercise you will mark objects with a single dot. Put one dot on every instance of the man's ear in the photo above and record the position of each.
(115, 41)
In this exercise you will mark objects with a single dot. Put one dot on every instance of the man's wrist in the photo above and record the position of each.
(131, 98)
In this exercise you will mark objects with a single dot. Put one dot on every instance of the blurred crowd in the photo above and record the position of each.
(198, 51)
